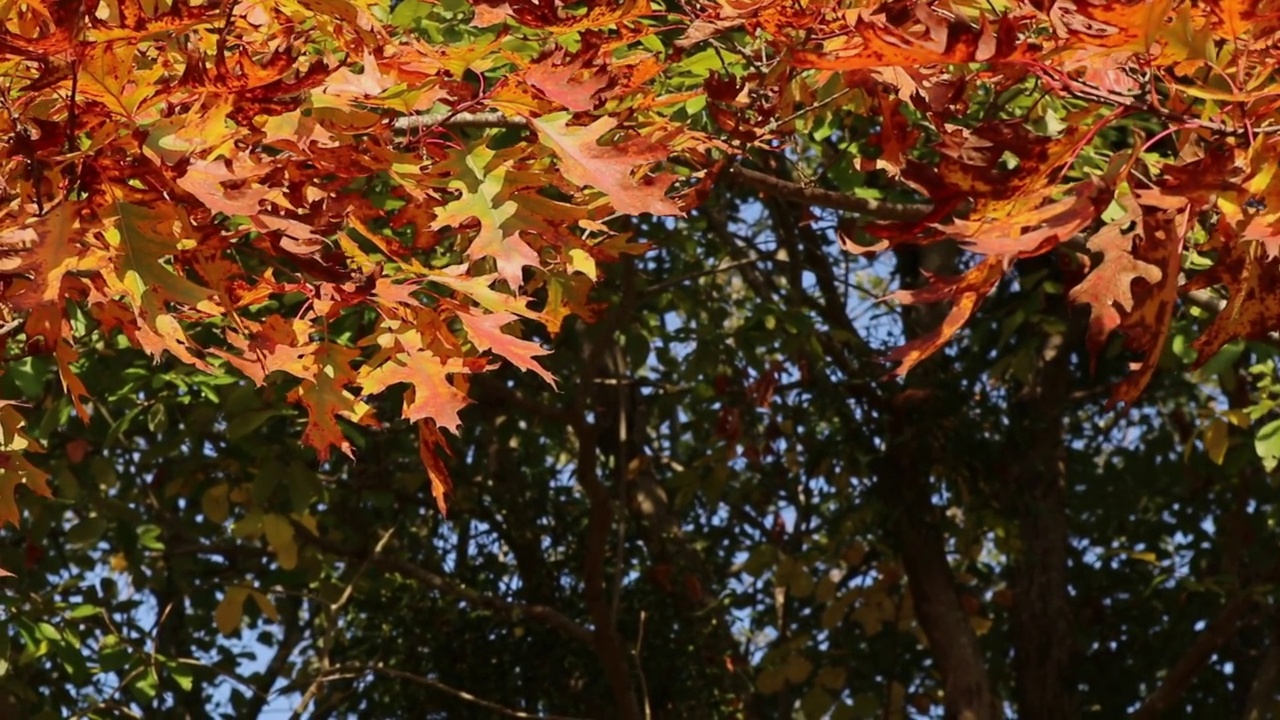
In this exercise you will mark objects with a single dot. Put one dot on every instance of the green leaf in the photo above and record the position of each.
(1267, 444)
(183, 674)
(88, 531)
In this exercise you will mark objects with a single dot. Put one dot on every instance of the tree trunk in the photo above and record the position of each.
(904, 481)
(1041, 614)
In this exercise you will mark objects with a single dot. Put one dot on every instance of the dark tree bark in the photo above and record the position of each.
(904, 481)
(1037, 489)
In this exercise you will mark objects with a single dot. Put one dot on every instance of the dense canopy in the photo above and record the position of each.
(650, 358)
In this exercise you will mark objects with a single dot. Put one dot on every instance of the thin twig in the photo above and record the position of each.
(492, 119)
(552, 617)
(352, 671)
(673, 282)
(785, 190)
(644, 684)
(1176, 680)
(331, 622)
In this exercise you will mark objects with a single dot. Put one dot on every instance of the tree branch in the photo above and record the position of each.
(1262, 693)
(786, 190)
(493, 119)
(1193, 660)
(350, 671)
(607, 641)
(547, 615)
(289, 640)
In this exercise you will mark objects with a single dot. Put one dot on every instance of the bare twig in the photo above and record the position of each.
(785, 190)
(726, 267)
(644, 685)
(354, 671)
(482, 120)
(1193, 660)
(331, 613)
(550, 616)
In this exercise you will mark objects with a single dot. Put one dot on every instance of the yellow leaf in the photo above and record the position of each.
(801, 583)
(1216, 439)
(267, 607)
(581, 261)
(980, 625)
(797, 669)
(215, 504)
(831, 678)
(897, 701)
(770, 681)
(248, 527)
(280, 537)
(834, 613)
(1148, 557)
(230, 610)
(826, 590)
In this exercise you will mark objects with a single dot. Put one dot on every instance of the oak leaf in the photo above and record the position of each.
(485, 332)
(326, 399)
(609, 169)
(964, 292)
(481, 178)
(432, 397)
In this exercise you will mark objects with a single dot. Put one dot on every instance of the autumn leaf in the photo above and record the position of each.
(48, 247)
(1252, 310)
(1146, 326)
(326, 399)
(144, 237)
(275, 345)
(876, 46)
(431, 446)
(15, 469)
(1108, 289)
(609, 169)
(485, 332)
(432, 395)
(565, 82)
(964, 292)
(485, 196)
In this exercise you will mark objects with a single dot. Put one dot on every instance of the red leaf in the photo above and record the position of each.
(609, 168)
(326, 398)
(565, 83)
(430, 442)
(433, 395)
(965, 293)
(486, 334)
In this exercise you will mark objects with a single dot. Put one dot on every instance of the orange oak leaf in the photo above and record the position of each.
(876, 46)
(431, 445)
(965, 292)
(565, 82)
(326, 399)
(432, 395)
(1146, 326)
(15, 469)
(1108, 289)
(48, 247)
(609, 169)
(486, 195)
(485, 332)
(144, 237)
(277, 344)
(1253, 306)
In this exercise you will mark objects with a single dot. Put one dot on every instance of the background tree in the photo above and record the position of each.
(238, 236)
